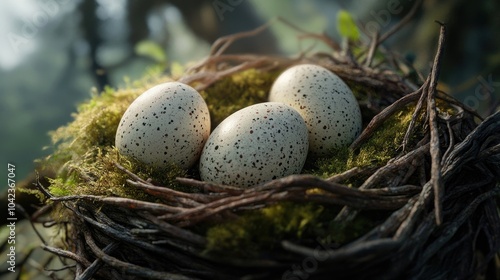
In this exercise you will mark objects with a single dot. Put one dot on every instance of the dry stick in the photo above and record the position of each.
(190, 199)
(372, 49)
(347, 213)
(212, 77)
(451, 142)
(435, 150)
(382, 172)
(346, 174)
(175, 231)
(380, 118)
(222, 43)
(495, 150)
(411, 126)
(354, 251)
(128, 268)
(123, 202)
(211, 187)
(453, 227)
(377, 39)
(96, 265)
(287, 188)
(401, 23)
(130, 173)
(332, 44)
(452, 100)
(407, 226)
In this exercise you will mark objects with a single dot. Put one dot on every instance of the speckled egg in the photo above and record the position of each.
(167, 124)
(326, 103)
(256, 144)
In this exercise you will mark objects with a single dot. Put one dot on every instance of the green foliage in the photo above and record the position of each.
(347, 26)
(152, 50)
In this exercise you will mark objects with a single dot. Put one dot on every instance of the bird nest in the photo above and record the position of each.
(426, 209)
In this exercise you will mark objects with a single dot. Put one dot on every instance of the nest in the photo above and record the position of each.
(439, 195)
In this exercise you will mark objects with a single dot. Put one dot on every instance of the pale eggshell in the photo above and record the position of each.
(168, 124)
(256, 144)
(326, 103)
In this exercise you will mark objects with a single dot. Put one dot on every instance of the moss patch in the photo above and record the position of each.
(263, 229)
(241, 90)
(95, 173)
(383, 145)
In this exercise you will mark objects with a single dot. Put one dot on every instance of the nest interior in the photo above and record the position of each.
(415, 196)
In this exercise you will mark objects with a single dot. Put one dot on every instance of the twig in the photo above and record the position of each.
(379, 119)
(423, 90)
(401, 23)
(372, 49)
(435, 149)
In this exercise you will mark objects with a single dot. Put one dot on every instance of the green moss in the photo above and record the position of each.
(328, 166)
(342, 233)
(238, 91)
(383, 145)
(256, 232)
(96, 173)
(263, 229)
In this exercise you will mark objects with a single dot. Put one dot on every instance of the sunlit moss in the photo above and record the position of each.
(383, 145)
(238, 91)
(95, 173)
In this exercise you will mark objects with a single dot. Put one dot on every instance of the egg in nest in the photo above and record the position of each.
(166, 125)
(326, 103)
(256, 144)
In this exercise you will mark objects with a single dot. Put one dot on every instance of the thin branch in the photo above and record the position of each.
(435, 149)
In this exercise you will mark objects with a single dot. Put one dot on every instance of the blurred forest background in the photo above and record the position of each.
(53, 52)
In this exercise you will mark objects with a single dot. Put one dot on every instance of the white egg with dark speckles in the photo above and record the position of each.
(167, 124)
(256, 144)
(326, 103)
